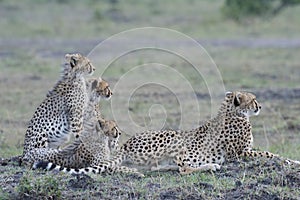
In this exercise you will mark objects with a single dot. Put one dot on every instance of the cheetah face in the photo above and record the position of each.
(104, 89)
(110, 128)
(79, 64)
(98, 88)
(245, 104)
(112, 131)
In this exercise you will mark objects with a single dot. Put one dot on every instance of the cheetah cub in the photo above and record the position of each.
(98, 142)
(94, 127)
(61, 113)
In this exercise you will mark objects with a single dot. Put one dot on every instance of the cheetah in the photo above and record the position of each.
(95, 128)
(99, 140)
(226, 137)
(61, 113)
(90, 148)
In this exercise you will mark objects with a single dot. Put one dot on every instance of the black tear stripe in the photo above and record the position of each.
(236, 102)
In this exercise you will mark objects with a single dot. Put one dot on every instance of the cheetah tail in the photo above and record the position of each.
(49, 166)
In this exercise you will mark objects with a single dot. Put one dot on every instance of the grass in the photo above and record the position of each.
(46, 185)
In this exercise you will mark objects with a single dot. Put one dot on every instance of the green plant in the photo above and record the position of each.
(44, 186)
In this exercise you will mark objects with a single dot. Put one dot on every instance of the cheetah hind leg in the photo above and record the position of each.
(291, 162)
(187, 169)
(37, 154)
(163, 168)
(269, 155)
(257, 154)
(165, 165)
(127, 170)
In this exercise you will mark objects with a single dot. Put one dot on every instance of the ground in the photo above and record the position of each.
(244, 179)
(249, 179)
(257, 55)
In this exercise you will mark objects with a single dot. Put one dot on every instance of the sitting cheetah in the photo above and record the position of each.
(62, 110)
(61, 113)
(226, 137)
(95, 129)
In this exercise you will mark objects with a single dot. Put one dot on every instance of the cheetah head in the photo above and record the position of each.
(98, 88)
(243, 103)
(113, 133)
(110, 128)
(79, 64)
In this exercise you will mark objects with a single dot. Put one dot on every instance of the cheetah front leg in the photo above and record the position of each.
(165, 165)
(162, 168)
(38, 154)
(206, 167)
(261, 154)
(268, 155)
(184, 165)
(76, 122)
(76, 107)
(127, 170)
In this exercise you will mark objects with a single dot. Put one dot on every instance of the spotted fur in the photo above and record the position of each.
(61, 114)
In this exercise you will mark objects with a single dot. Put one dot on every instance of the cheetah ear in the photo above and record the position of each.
(228, 94)
(94, 84)
(68, 57)
(72, 59)
(237, 100)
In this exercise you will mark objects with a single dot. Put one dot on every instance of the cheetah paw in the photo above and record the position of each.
(292, 162)
(214, 167)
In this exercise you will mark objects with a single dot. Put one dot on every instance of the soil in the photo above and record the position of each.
(253, 179)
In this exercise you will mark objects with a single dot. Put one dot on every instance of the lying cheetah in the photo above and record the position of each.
(95, 129)
(226, 137)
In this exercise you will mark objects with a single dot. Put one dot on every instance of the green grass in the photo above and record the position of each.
(43, 186)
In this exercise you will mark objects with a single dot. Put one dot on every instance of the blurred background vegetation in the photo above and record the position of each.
(255, 44)
(95, 18)
(239, 10)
